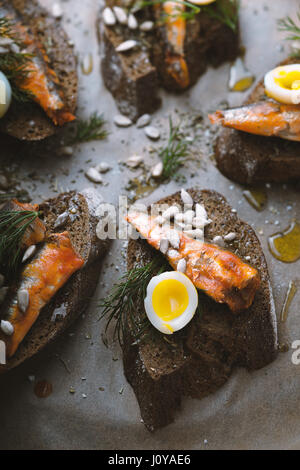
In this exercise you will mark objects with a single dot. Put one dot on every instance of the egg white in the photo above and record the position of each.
(277, 92)
(5, 95)
(182, 320)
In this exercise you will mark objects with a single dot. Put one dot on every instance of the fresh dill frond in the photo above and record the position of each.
(174, 153)
(13, 225)
(121, 304)
(289, 26)
(90, 129)
(15, 65)
(226, 11)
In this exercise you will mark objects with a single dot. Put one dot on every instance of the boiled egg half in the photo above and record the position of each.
(5, 94)
(171, 301)
(283, 84)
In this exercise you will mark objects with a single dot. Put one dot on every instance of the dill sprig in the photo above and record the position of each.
(121, 304)
(289, 26)
(174, 153)
(226, 11)
(13, 225)
(14, 65)
(90, 129)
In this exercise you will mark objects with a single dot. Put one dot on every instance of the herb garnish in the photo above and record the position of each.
(15, 65)
(90, 129)
(226, 11)
(120, 305)
(13, 225)
(174, 153)
(289, 26)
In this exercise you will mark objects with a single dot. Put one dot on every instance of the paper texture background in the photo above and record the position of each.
(253, 410)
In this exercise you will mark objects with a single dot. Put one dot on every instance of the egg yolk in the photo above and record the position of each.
(170, 299)
(288, 80)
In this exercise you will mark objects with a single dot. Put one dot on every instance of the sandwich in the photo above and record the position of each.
(260, 141)
(168, 44)
(49, 264)
(38, 77)
(197, 302)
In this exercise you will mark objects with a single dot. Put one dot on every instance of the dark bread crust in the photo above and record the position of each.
(202, 355)
(48, 31)
(73, 299)
(249, 159)
(134, 78)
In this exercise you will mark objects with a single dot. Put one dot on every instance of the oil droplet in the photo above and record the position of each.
(43, 389)
(240, 78)
(291, 292)
(285, 246)
(257, 198)
(87, 64)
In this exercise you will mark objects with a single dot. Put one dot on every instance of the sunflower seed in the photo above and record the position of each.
(186, 197)
(157, 170)
(126, 45)
(152, 132)
(23, 299)
(147, 26)
(218, 240)
(28, 253)
(143, 121)
(132, 22)
(7, 327)
(3, 292)
(57, 11)
(103, 167)
(134, 161)
(61, 220)
(108, 17)
(121, 15)
(230, 237)
(181, 265)
(164, 245)
(122, 121)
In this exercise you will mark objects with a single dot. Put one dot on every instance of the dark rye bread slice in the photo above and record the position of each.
(29, 121)
(208, 41)
(74, 297)
(199, 359)
(249, 159)
(134, 77)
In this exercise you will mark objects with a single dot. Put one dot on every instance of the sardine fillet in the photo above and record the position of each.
(42, 278)
(219, 273)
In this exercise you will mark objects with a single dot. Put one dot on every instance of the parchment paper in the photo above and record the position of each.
(253, 410)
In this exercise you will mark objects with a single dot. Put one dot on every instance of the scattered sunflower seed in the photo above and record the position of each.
(23, 299)
(134, 161)
(143, 121)
(29, 253)
(230, 237)
(152, 132)
(147, 26)
(132, 22)
(108, 17)
(122, 121)
(7, 327)
(157, 170)
(121, 14)
(126, 45)
(93, 175)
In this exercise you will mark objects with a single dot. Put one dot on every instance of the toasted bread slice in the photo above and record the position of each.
(74, 297)
(249, 159)
(29, 121)
(199, 359)
(134, 77)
